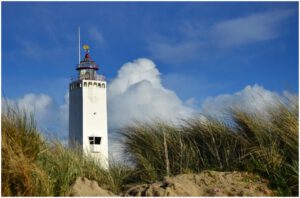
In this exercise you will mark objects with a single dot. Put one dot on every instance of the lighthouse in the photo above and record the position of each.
(88, 110)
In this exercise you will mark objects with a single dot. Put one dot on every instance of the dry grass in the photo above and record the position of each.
(21, 145)
(266, 144)
(249, 142)
(32, 166)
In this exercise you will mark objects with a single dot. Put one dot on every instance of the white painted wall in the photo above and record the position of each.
(88, 117)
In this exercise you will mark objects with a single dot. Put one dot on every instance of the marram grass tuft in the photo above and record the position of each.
(266, 144)
(32, 166)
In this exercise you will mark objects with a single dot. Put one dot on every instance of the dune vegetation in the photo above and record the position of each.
(266, 144)
(33, 166)
(263, 144)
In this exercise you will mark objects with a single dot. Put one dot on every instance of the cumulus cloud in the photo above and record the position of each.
(38, 104)
(137, 94)
(51, 118)
(254, 99)
(64, 112)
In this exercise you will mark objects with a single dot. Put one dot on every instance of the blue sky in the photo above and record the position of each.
(200, 49)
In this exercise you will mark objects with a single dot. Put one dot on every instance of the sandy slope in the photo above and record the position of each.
(207, 183)
(86, 187)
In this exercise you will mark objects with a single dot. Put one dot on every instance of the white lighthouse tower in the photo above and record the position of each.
(88, 110)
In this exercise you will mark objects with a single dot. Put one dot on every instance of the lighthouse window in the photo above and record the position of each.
(91, 139)
(99, 85)
(103, 85)
(95, 140)
(84, 84)
(90, 83)
(95, 84)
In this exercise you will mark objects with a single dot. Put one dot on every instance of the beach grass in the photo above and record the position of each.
(32, 166)
(266, 144)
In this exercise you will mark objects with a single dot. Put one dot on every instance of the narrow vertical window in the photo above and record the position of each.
(97, 140)
(91, 139)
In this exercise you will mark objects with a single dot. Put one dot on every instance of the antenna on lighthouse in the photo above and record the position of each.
(79, 54)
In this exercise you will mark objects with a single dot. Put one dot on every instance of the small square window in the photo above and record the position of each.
(95, 140)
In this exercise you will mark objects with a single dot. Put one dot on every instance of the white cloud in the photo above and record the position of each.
(144, 98)
(38, 104)
(51, 118)
(64, 112)
(132, 73)
(137, 94)
(252, 28)
(254, 99)
(191, 102)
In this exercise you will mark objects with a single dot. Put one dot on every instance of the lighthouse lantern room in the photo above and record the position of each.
(88, 110)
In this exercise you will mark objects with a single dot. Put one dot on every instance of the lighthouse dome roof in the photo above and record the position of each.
(87, 62)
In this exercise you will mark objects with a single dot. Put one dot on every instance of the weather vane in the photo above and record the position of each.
(86, 48)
